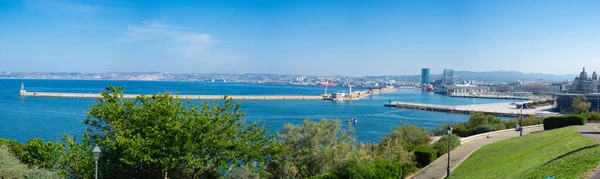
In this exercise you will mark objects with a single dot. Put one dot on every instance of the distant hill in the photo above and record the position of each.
(507, 76)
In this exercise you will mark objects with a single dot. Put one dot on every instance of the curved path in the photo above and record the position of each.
(592, 131)
(437, 169)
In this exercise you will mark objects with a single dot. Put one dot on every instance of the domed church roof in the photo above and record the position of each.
(594, 76)
(583, 75)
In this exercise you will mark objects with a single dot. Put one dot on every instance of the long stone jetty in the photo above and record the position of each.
(193, 97)
(496, 109)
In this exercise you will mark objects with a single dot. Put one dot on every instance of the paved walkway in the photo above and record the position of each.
(438, 168)
(591, 130)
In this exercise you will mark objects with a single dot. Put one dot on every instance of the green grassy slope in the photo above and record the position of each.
(562, 153)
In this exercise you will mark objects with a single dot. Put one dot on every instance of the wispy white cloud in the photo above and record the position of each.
(185, 40)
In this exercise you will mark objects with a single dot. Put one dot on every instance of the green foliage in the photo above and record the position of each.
(531, 120)
(489, 128)
(542, 103)
(160, 136)
(366, 170)
(312, 149)
(480, 123)
(14, 146)
(11, 167)
(77, 161)
(408, 135)
(593, 116)
(424, 155)
(242, 172)
(42, 154)
(563, 121)
(441, 146)
(580, 105)
(462, 130)
(37, 173)
(394, 145)
(477, 119)
(562, 153)
(508, 124)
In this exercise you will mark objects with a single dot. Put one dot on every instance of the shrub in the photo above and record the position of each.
(441, 146)
(462, 130)
(10, 166)
(424, 155)
(510, 123)
(312, 149)
(489, 128)
(408, 135)
(16, 147)
(555, 122)
(531, 120)
(35, 173)
(387, 169)
(593, 116)
(42, 154)
(478, 118)
(378, 169)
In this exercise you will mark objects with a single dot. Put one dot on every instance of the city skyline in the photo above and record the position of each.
(350, 38)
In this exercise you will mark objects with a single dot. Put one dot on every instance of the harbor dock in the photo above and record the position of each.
(489, 96)
(496, 109)
(191, 97)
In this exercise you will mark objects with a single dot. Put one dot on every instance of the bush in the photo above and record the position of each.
(489, 128)
(16, 147)
(555, 122)
(531, 120)
(35, 173)
(462, 130)
(441, 146)
(510, 123)
(424, 155)
(593, 116)
(387, 169)
(408, 135)
(378, 169)
(11, 167)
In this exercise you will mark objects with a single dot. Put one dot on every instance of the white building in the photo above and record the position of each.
(338, 96)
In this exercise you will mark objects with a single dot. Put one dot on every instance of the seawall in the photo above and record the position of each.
(193, 97)
(496, 109)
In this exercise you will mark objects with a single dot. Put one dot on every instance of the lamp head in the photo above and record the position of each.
(96, 152)
(449, 129)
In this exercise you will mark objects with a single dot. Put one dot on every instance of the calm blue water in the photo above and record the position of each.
(24, 117)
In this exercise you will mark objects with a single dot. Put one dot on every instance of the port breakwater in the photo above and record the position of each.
(496, 109)
(190, 97)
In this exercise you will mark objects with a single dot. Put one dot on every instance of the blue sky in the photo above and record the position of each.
(320, 37)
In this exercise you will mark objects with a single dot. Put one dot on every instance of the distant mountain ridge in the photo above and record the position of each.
(511, 76)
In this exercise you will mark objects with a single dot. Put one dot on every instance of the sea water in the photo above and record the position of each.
(22, 118)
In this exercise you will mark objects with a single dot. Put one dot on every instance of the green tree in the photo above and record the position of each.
(42, 154)
(160, 136)
(580, 105)
(409, 135)
(477, 119)
(77, 161)
(312, 149)
(11, 167)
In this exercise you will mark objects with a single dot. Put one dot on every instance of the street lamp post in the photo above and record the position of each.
(521, 122)
(449, 132)
(96, 153)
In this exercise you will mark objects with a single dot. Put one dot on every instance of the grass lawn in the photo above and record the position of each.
(562, 153)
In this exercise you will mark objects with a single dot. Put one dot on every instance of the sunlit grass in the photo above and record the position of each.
(562, 153)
